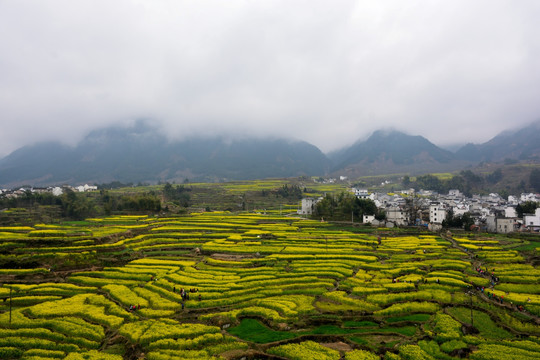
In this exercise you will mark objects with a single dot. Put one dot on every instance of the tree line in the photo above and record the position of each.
(345, 207)
(78, 206)
(469, 182)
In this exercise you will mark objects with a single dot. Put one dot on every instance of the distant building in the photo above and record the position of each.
(368, 219)
(39, 190)
(505, 226)
(532, 221)
(86, 187)
(510, 212)
(512, 200)
(460, 209)
(396, 215)
(437, 213)
(361, 193)
(491, 224)
(500, 225)
(529, 197)
(407, 191)
(308, 205)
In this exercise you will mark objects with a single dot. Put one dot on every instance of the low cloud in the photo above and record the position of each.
(325, 72)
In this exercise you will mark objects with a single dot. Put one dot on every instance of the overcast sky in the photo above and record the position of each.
(327, 72)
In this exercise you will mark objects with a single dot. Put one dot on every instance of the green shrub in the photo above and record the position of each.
(10, 352)
(446, 328)
(452, 345)
(92, 355)
(432, 348)
(413, 352)
(52, 354)
(407, 308)
(305, 350)
(360, 355)
(496, 352)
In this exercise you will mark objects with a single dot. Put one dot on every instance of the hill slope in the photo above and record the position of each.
(141, 154)
(522, 144)
(393, 152)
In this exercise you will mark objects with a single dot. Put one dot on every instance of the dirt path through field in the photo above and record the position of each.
(477, 263)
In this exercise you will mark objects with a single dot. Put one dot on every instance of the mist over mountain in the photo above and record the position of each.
(141, 153)
(390, 151)
(521, 144)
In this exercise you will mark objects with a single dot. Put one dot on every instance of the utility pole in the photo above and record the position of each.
(352, 217)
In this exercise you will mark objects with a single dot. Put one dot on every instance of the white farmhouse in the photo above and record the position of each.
(86, 187)
(407, 191)
(505, 226)
(460, 209)
(396, 215)
(308, 205)
(361, 193)
(500, 225)
(532, 222)
(368, 219)
(510, 212)
(512, 200)
(529, 197)
(437, 213)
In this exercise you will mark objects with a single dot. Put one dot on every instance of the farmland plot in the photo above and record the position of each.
(221, 285)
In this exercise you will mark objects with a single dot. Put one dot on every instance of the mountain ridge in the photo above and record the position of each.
(141, 153)
(392, 151)
(521, 144)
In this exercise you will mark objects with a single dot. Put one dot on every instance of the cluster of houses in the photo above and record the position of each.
(55, 190)
(490, 213)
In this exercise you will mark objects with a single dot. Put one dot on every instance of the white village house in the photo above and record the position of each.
(437, 213)
(360, 193)
(308, 205)
(500, 224)
(396, 215)
(532, 221)
(86, 187)
(367, 219)
(505, 226)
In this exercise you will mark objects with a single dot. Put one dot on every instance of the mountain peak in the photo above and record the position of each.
(388, 132)
(390, 148)
(517, 144)
(140, 153)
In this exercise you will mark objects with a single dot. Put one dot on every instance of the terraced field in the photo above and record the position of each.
(232, 286)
